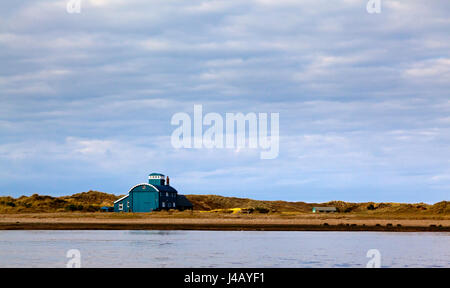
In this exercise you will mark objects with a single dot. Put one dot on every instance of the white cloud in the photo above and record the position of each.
(434, 70)
(210, 6)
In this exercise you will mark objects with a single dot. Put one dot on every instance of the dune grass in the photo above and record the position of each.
(88, 204)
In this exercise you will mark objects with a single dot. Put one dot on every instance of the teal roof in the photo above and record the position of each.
(159, 188)
(156, 174)
(118, 200)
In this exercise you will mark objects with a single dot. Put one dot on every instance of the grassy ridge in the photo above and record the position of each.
(92, 201)
(210, 202)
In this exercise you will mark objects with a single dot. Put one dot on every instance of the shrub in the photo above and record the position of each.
(73, 207)
(92, 208)
(262, 210)
(27, 205)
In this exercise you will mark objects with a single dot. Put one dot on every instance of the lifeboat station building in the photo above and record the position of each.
(155, 195)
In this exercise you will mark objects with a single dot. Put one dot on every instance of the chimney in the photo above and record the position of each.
(167, 181)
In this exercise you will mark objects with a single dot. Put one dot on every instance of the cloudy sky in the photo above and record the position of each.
(86, 99)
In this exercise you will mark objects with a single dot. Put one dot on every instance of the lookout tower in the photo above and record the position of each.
(156, 179)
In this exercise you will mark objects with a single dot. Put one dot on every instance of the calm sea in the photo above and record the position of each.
(222, 248)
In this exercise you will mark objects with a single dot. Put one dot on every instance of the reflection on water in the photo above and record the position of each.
(222, 248)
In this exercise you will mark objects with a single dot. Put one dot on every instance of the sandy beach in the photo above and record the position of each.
(97, 221)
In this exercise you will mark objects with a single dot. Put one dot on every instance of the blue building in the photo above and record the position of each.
(157, 194)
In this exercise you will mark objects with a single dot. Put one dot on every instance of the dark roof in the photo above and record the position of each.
(165, 188)
(182, 201)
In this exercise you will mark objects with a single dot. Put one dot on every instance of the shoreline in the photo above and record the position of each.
(224, 224)
(217, 227)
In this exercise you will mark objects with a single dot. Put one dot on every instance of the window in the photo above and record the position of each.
(128, 204)
(163, 204)
(173, 204)
(156, 177)
(167, 194)
(121, 206)
(170, 204)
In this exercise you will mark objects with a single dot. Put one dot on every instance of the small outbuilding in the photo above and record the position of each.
(324, 209)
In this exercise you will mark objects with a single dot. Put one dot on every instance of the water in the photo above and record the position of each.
(222, 248)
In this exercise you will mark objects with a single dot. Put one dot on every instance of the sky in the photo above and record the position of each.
(86, 99)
